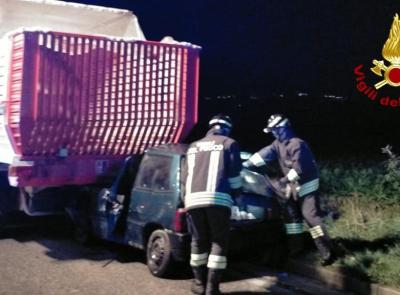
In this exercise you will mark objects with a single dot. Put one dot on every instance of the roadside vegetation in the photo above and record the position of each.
(363, 205)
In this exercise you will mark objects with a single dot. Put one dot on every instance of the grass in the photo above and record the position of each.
(366, 199)
(371, 233)
(364, 219)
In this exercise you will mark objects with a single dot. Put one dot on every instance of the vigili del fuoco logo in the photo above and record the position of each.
(388, 75)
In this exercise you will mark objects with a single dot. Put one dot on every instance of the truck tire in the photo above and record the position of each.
(81, 228)
(158, 258)
(82, 236)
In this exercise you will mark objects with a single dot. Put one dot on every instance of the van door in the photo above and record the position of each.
(155, 195)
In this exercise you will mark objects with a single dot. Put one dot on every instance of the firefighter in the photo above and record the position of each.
(298, 188)
(213, 182)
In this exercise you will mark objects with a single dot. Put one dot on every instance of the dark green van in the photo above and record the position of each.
(143, 208)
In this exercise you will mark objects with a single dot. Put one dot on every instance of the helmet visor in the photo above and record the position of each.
(267, 130)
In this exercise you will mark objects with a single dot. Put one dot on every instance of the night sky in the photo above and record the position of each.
(256, 50)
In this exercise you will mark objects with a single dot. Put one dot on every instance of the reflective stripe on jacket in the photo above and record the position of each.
(295, 160)
(213, 169)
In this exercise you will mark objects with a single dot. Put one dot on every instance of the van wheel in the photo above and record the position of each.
(159, 259)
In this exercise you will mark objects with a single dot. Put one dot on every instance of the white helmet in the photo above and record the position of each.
(222, 120)
(276, 120)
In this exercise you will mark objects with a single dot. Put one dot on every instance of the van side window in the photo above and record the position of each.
(154, 173)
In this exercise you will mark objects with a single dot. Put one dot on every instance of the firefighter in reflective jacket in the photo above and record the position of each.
(213, 177)
(298, 188)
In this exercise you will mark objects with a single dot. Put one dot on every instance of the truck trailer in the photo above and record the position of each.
(80, 90)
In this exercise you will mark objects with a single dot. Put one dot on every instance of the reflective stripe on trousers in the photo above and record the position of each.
(308, 187)
(316, 232)
(198, 259)
(294, 228)
(217, 262)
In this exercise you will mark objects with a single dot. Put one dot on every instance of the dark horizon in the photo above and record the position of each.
(261, 49)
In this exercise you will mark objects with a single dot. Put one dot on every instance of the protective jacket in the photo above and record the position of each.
(296, 161)
(302, 178)
(213, 170)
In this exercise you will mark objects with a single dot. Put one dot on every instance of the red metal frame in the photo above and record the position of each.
(87, 99)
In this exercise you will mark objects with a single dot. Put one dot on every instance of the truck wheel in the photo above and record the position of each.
(81, 229)
(159, 260)
(82, 236)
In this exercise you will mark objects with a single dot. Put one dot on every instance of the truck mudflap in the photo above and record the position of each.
(8, 194)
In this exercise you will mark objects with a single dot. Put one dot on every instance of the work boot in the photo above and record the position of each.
(214, 278)
(328, 256)
(341, 250)
(295, 244)
(200, 279)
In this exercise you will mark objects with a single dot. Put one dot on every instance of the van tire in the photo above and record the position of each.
(158, 258)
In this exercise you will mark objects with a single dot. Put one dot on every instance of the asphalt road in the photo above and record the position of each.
(43, 259)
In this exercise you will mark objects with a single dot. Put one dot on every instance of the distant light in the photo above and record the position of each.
(334, 97)
(302, 94)
(329, 95)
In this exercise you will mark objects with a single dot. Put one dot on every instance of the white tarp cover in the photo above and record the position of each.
(68, 17)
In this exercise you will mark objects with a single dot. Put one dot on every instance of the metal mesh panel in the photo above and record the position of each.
(14, 88)
(96, 96)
